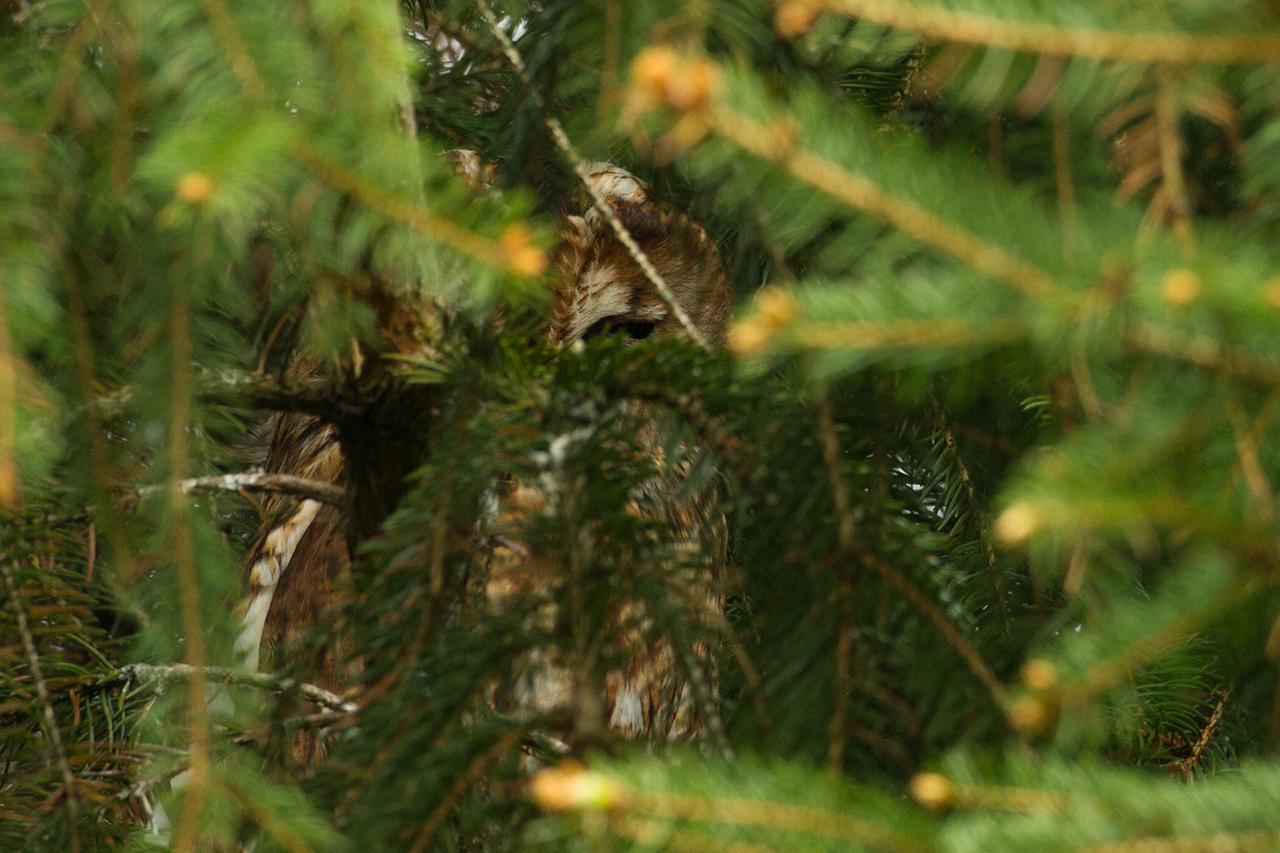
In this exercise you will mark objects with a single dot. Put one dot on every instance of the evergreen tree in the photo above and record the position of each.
(995, 435)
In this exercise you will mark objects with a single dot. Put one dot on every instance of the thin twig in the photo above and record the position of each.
(845, 531)
(318, 397)
(1173, 48)
(1187, 766)
(50, 726)
(580, 169)
(260, 481)
(138, 673)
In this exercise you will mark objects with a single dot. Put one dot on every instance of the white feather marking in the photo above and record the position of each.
(265, 575)
(613, 182)
(628, 712)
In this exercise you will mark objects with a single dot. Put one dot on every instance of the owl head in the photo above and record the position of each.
(602, 290)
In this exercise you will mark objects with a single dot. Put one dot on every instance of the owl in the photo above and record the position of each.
(662, 689)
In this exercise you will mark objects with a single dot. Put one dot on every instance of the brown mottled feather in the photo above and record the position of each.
(650, 695)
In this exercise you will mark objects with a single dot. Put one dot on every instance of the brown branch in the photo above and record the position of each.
(1187, 766)
(1172, 48)
(49, 720)
(845, 531)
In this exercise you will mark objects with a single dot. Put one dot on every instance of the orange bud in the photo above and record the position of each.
(1180, 287)
(1039, 674)
(1031, 715)
(521, 255)
(572, 787)
(195, 187)
(748, 337)
(1018, 523)
(776, 307)
(794, 18)
(653, 67)
(933, 790)
(1271, 291)
(663, 75)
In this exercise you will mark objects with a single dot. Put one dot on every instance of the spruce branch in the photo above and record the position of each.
(776, 145)
(1171, 48)
(1205, 352)
(48, 718)
(319, 397)
(906, 334)
(562, 789)
(461, 785)
(430, 225)
(238, 56)
(1109, 672)
(581, 169)
(967, 651)
(1243, 842)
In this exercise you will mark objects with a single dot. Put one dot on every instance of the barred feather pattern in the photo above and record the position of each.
(663, 690)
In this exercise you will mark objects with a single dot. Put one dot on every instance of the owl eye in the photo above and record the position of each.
(634, 330)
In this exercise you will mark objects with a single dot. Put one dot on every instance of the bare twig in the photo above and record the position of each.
(260, 481)
(138, 673)
(581, 169)
(50, 721)
(1187, 766)
(318, 397)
